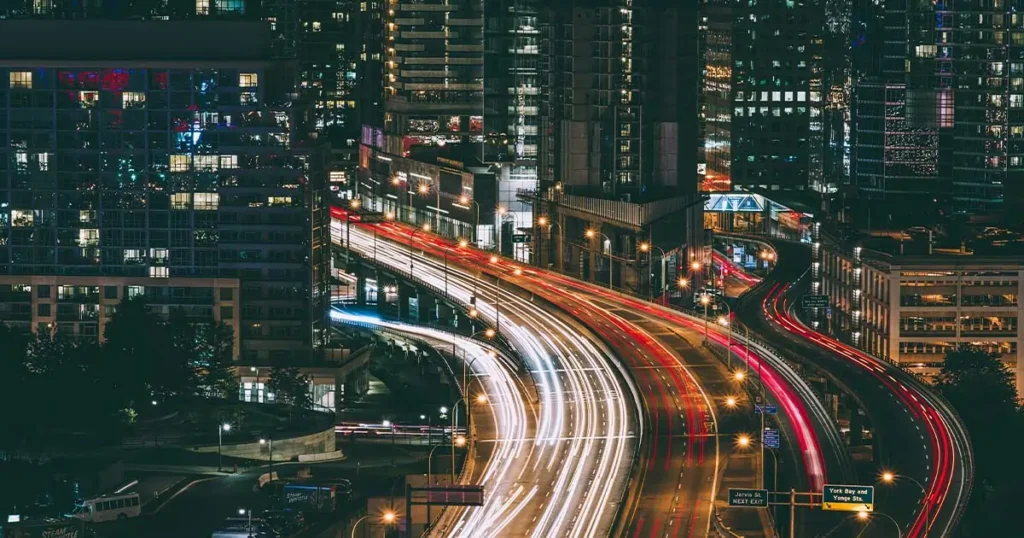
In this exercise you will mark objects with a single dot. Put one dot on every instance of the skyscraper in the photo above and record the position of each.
(126, 151)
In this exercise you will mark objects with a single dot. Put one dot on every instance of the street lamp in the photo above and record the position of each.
(459, 441)
(462, 244)
(476, 223)
(256, 370)
(220, 444)
(889, 477)
(724, 321)
(354, 204)
(731, 402)
(592, 234)
(270, 441)
(544, 221)
(424, 228)
(864, 516)
(704, 300)
(649, 248)
(387, 518)
(247, 512)
(744, 441)
(424, 189)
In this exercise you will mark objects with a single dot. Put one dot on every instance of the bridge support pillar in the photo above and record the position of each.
(405, 294)
(360, 272)
(426, 307)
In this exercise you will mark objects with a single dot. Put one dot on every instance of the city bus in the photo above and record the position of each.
(108, 508)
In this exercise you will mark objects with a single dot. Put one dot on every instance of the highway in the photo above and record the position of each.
(504, 425)
(588, 427)
(917, 433)
(679, 478)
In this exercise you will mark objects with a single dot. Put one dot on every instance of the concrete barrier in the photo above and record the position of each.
(324, 456)
(284, 449)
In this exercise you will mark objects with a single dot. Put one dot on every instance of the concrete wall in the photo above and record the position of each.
(284, 449)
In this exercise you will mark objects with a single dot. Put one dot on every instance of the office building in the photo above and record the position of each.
(913, 309)
(127, 152)
(766, 91)
(620, 114)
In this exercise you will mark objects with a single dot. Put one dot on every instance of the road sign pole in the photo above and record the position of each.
(792, 513)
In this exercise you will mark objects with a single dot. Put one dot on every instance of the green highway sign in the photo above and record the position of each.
(814, 301)
(848, 498)
(748, 497)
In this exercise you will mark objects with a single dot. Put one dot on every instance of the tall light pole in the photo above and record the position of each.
(256, 369)
(476, 224)
(544, 221)
(501, 221)
(387, 518)
(611, 273)
(497, 297)
(865, 516)
(704, 300)
(220, 444)
(889, 477)
(424, 189)
(462, 244)
(247, 512)
(269, 441)
(424, 228)
(648, 247)
(683, 283)
(727, 321)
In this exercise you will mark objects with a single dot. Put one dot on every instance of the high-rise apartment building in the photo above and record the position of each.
(766, 90)
(620, 114)
(127, 152)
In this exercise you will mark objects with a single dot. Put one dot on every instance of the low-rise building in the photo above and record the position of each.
(912, 309)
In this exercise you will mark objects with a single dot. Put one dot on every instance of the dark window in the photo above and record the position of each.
(44, 292)
(44, 309)
(226, 313)
(226, 294)
(110, 292)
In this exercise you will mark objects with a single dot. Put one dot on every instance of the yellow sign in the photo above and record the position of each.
(842, 498)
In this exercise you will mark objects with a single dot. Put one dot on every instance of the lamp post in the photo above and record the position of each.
(257, 386)
(592, 234)
(220, 444)
(269, 441)
(744, 441)
(683, 283)
(889, 477)
(497, 297)
(424, 228)
(462, 244)
(387, 518)
(865, 516)
(247, 512)
(476, 223)
(543, 221)
(501, 213)
(704, 300)
(424, 189)
(647, 247)
(726, 321)
(354, 204)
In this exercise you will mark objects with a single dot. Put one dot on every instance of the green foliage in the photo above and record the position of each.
(291, 387)
(981, 389)
(53, 381)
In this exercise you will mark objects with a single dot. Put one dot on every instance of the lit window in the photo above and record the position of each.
(42, 7)
(1016, 100)
(206, 201)
(181, 200)
(158, 272)
(279, 201)
(776, 96)
(179, 163)
(88, 99)
(229, 161)
(801, 96)
(338, 176)
(88, 237)
(21, 219)
(207, 163)
(43, 159)
(133, 99)
(230, 6)
(248, 80)
(202, 7)
(158, 254)
(789, 97)
(21, 79)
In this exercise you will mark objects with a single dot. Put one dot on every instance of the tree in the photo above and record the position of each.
(980, 388)
(214, 361)
(291, 387)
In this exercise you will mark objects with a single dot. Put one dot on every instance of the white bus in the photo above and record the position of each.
(108, 507)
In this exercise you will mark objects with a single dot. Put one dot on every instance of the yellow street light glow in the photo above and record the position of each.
(460, 441)
(722, 320)
(704, 299)
(423, 189)
(388, 517)
(501, 210)
(463, 243)
(494, 259)
(473, 313)
(354, 204)
(426, 227)
(518, 271)
(743, 441)
(863, 516)
(463, 199)
(489, 333)
(888, 477)
(394, 181)
(492, 354)
(482, 398)
(683, 283)
(730, 401)
(695, 266)
(589, 233)
(739, 376)
(389, 216)
(644, 247)
(543, 221)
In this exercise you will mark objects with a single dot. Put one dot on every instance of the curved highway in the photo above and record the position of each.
(918, 435)
(588, 426)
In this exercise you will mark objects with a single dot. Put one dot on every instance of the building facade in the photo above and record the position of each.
(912, 310)
(133, 154)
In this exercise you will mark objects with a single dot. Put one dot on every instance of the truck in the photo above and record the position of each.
(317, 498)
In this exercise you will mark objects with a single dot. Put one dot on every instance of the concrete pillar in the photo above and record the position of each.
(559, 244)
(426, 307)
(405, 293)
(360, 272)
(445, 313)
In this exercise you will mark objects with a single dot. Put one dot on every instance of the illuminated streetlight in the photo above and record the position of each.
(730, 401)
(354, 204)
(743, 441)
(394, 181)
(589, 234)
(444, 410)
(723, 321)
(704, 299)
(489, 333)
(463, 243)
(684, 283)
(739, 376)
(473, 313)
(389, 216)
(422, 189)
(494, 259)
(482, 398)
(388, 517)
(386, 424)
(518, 271)
(888, 477)
(695, 266)
(460, 441)
(543, 221)
(426, 227)
(644, 247)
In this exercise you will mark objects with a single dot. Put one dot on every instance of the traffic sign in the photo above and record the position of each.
(770, 409)
(814, 301)
(521, 238)
(771, 438)
(372, 217)
(750, 498)
(848, 498)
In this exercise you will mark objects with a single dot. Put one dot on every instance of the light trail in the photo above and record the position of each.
(588, 428)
